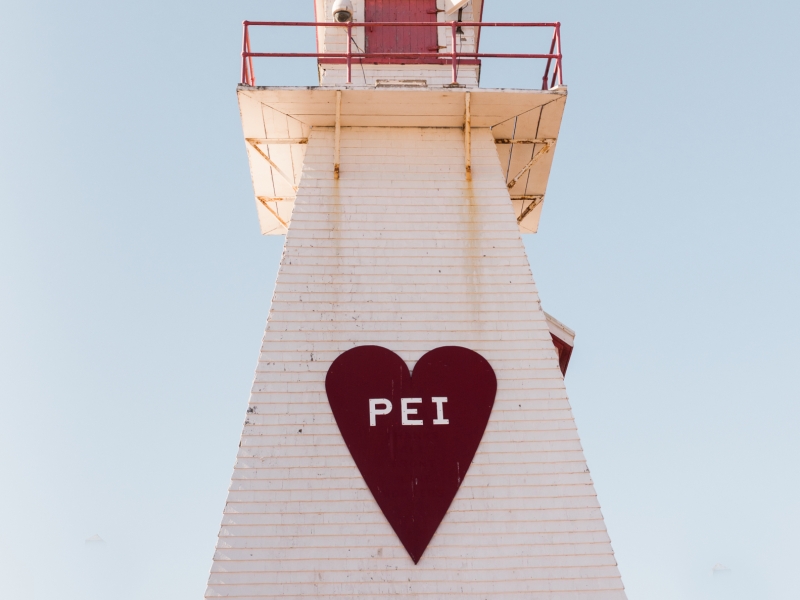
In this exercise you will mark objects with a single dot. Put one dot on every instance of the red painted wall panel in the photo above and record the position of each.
(401, 39)
(564, 353)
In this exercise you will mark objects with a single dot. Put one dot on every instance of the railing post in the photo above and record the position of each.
(349, 53)
(455, 67)
(546, 75)
(250, 68)
(244, 53)
(560, 68)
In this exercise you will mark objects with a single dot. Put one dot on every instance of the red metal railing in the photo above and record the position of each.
(454, 57)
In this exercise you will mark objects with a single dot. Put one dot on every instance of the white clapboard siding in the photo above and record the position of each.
(403, 252)
(370, 75)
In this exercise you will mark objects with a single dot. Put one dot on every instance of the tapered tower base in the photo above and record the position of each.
(403, 252)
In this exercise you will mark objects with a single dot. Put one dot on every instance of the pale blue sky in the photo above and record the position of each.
(134, 285)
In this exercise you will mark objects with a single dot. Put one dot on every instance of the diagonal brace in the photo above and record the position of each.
(542, 151)
(535, 201)
(263, 201)
(254, 144)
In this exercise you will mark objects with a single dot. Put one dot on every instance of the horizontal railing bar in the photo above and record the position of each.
(393, 23)
(391, 55)
(495, 55)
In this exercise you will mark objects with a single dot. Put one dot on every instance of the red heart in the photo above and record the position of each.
(413, 470)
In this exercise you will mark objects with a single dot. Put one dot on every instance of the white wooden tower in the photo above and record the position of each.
(403, 197)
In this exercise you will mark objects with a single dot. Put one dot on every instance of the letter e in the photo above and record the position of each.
(410, 411)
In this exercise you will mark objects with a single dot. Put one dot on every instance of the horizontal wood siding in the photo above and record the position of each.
(369, 75)
(423, 259)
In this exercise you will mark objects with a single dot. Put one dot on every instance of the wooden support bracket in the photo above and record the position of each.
(524, 141)
(275, 214)
(535, 201)
(542, 151)
(254, 143)
(268, 141)
(337, 134)
(467, 137)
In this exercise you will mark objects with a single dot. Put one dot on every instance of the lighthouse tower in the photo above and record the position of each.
(408, 432)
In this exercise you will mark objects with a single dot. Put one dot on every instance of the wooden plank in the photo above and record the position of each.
(552, 114)
(504, 129)
(505, 141)
(538, 155)
(270, 141)
(487, 109)
(252, 119)
(267, 221)
(528, 125)
(526, 209)
(273, 211)
(530, 223)
(504, 155)
(456, 122)
(406, 109)
(287, 177)
(467, 138)
(519, 157)
(276, 124)
(337, 135)
(539, 176)
(524, 99)
(275, 95)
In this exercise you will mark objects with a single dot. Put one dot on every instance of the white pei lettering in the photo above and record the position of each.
(374, 411)
(440, 420)
(410, 411)
(382, 406)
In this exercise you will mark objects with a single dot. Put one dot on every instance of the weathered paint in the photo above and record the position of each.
(404, 253)
(524, 122)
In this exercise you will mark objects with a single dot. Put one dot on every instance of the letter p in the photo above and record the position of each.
(374, 411)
